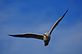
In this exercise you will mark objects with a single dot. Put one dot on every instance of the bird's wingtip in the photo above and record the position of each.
(10, 35)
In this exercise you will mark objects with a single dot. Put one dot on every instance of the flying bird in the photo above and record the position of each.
(46, 36)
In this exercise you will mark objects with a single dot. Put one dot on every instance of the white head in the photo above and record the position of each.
(46, 34)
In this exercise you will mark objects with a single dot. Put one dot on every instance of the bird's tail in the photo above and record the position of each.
(46, 42)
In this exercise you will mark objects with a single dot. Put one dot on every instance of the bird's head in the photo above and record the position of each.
(46, 34)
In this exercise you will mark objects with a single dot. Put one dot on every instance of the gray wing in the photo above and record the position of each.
(57, 22)
(36, 36)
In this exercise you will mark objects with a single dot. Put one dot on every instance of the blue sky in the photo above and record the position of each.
(37, 16)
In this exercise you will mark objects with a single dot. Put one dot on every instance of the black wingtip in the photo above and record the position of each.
(11, 35)
(65, 12)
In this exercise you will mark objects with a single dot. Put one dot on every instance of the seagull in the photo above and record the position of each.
(46, 36)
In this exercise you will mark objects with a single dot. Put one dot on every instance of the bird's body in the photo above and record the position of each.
(46, 36)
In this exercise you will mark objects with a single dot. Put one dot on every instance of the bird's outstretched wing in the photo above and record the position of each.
(36, 36)
(57, 22)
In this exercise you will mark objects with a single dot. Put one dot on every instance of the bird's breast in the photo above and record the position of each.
(45, 37)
